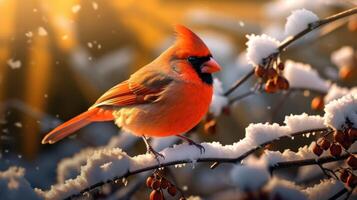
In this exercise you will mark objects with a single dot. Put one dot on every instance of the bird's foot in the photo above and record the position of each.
(191, 142)
(199, 146)
(151, 150)
(155, 153)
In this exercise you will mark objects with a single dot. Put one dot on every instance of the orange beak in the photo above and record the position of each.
(210, 67)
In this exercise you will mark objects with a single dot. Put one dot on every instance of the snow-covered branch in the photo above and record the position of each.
(312, 161)
(106, 166)
(257, 44)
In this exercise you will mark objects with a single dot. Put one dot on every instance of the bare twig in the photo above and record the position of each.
(239, 82)
(242, 96)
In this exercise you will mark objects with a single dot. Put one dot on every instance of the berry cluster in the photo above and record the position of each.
(341, 140)
(272, 77)
(158, 184)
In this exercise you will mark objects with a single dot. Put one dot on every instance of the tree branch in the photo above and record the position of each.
(316, 25)
(290, 40)
(339, 194)
(239, 82)
(305, 162)
(201, 160)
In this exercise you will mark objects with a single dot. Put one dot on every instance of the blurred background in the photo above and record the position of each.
(57, 57)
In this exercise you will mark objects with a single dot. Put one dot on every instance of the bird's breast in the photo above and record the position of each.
(180, 108)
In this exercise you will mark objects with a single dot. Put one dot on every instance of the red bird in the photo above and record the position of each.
(167, 97)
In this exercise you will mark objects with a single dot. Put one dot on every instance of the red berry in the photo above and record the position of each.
(270, 86)
(351, 181)
(346, 72)
(344, 175)
(335, 150)
(324, 143)
(281, 66)
(210, 126)
(339, 136)
(164, 183)
(172, 190)
(156, 195)
(155, 184)
(317, 149)
(317, 103)
(149, 181)
(282, 83)
(352, 162)
(271, 73)
(260, 71)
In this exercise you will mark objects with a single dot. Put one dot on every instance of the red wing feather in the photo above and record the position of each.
(133, 92)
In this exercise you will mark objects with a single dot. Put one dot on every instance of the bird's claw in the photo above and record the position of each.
(156, 154)
(200, 147)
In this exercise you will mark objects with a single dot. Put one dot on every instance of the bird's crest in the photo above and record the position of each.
(188, 40)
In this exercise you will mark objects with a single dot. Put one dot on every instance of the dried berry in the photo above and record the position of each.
(351, 181)
(324, 143)
(260, 71)
(317, 149)
(155, 184)
(149, 181)
(281, 66)
(282, 83)
(335, 150)
(344, 175)
(164, 183)
(271, 73)
(317, 103)
(270, 86)
(156, 195)
(352, 162)
(172, 190)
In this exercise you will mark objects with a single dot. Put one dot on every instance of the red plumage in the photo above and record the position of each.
(167, 97)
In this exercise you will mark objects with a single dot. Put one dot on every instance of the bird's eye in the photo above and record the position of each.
(193, 59)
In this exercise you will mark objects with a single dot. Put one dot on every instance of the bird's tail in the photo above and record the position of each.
(72, 125)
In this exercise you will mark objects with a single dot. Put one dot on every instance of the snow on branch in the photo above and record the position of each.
(298, 21)
(342, 113)
(345, 56)
(303, 76)
(13, 185)
(260, 47)
(336, 92)
(70, 167)
(107, 165)
(263, 48)
(324, 190)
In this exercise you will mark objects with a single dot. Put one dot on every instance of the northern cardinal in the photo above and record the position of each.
(167, 97)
